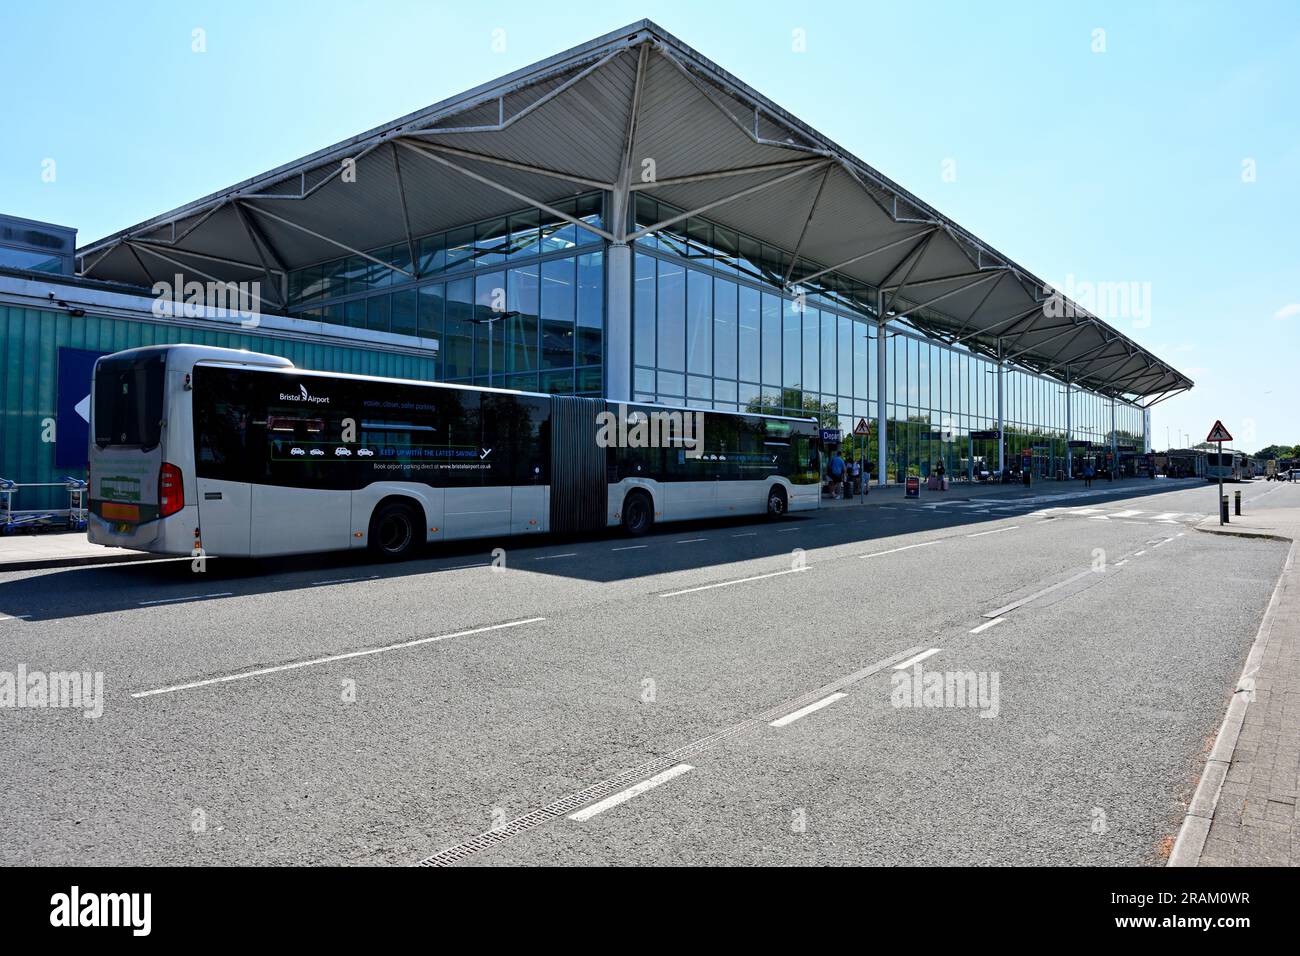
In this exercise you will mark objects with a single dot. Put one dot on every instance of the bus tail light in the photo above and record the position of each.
(171, 490)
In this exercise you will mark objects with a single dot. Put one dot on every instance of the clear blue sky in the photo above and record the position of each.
(1117, 166)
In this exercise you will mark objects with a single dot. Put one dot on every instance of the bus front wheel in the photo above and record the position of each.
(393, 531)
(638, 513)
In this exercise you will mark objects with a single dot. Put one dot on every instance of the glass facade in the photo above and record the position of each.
(519, 302)
(715, 327)
(514, 302)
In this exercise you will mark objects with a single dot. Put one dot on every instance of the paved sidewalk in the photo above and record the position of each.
(972, 491)
(1244, 812)
(27, 552)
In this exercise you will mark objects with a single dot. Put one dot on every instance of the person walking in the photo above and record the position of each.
(857, 477)
(1087, 475)
(837, 473)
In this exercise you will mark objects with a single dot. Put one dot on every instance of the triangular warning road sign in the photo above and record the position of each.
(862, 428)
(1218, 433)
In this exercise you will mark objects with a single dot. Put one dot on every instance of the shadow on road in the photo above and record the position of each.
(96, 589)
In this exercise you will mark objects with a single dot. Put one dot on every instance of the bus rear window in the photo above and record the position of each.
(128, 402)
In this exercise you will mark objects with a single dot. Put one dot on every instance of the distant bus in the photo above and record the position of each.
(242, 454)
(1230, 465)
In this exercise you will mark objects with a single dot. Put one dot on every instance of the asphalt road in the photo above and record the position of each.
(269, 712)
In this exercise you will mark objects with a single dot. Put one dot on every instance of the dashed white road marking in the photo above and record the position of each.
(805, 711)
(549, 557)
(691, 540)
(262, 671)
(986, 625)
(1167, 516)
(1165, 541)
(980, 534)
(1120, 564)
(724, 584)
(746, 534)
(1126, 514)
(917, 659)
(630, 547)
(192, 597)
(625, 795)
(906, 547)
(1138, 554)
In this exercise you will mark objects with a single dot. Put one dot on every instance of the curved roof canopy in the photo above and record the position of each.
(587, 119)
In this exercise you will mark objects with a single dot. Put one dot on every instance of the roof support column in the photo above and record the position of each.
(618, 258)
(1114, 438)
(882, 422)
(1069, 429)
(1002, 438)
(618, 323)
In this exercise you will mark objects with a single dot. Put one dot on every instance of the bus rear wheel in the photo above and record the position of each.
(393, 531)
(777, 506)
(638, 513)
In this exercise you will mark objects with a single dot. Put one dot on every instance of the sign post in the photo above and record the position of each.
(863, 431)
(1218, 434)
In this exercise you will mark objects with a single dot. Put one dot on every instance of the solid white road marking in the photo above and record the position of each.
(907, 547)
(723, 584)
(805, 711)
(986, 625)
(14, 617)
(244, 675)
(623, 796)
(980, 534)
(917, 659)
(1037, 594)
(343, 580)
(192, 597)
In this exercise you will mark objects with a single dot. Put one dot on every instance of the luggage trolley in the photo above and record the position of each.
(73, 518)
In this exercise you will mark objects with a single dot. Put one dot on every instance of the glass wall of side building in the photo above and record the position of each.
(519, 302)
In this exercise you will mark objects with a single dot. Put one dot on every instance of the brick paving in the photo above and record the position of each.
(1256, 821)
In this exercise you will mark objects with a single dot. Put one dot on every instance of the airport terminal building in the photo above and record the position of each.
(623, 219)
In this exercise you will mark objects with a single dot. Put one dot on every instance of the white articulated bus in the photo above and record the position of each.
(224, 452)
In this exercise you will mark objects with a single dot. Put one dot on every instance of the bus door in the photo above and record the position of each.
(303, 500)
